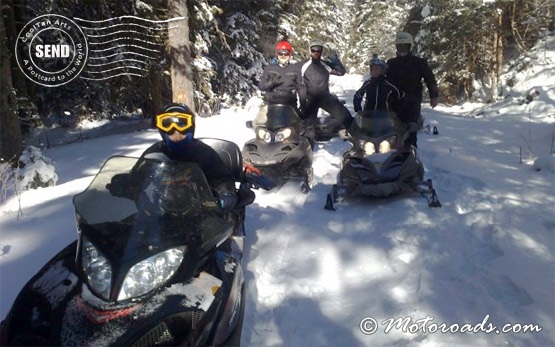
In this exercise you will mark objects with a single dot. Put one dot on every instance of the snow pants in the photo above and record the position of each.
(410, 113)
(331, 104)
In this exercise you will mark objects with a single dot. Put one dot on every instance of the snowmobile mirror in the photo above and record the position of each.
(248, 124)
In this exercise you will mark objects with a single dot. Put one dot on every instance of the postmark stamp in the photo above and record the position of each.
(51, 50)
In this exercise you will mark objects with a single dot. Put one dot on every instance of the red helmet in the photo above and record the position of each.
(284, 46)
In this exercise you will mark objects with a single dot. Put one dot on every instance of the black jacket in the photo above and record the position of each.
(316, 75)
(217, 174)
(281, 83)
(380, 95)
(407, 73)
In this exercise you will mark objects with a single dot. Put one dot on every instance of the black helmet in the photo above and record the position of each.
(176, 107)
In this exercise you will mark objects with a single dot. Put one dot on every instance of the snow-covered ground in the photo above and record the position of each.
(482, 263)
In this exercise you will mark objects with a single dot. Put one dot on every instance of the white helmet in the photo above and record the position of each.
(316, 43)
(404, 38)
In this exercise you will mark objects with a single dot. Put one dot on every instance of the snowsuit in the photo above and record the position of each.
(281, 84)
(315, 76)
(380, 95)
(407, 72)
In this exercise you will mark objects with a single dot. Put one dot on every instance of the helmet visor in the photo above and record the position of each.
(174, 120)
(283, 52)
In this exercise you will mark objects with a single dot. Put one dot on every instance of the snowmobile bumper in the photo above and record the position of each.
(262, 154)
(280, 161)
(380, 190)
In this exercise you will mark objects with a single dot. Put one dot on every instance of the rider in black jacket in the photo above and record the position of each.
(282, 82)
(315, 75)
(407, 71)
(380, 93)
(176, 124)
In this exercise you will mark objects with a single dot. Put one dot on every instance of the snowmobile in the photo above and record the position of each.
(323, 128)
(279, 151)
(157, 262)
(379, 164)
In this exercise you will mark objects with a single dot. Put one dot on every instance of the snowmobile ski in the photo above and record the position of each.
(427, 190)
(336, 195)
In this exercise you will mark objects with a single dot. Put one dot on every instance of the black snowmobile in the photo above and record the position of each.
(156, 263)
(279, 150)
(322, 128)
(325, 127)
(379, 164)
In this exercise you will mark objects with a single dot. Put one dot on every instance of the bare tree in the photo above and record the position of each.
(180, 53)
(498, 49)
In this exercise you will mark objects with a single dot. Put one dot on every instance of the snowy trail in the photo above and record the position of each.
(312, 275)
(386, 258)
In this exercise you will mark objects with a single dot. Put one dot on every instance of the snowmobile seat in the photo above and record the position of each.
(230, 154)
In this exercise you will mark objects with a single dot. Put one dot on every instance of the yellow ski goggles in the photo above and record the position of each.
(174, 120)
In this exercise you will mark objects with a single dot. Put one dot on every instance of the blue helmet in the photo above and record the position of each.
(377, 61)
(176, 117)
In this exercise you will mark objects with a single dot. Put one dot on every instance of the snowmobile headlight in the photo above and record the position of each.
(264, 135)
(151, 273)
(386, 145)
(282, 135)
(368, 147)
(97, 268)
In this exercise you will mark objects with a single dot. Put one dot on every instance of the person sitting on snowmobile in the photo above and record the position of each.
(380, 93)
(176, 124)
(281, 81)
(315, 76)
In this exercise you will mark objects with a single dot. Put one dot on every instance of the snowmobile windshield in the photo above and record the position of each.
(137, 207)
(372, 124)
(280, 116)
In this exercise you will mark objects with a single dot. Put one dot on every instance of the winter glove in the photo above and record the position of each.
(334, 59)
(119, 185)
(273, 61)
(275, 80)
(228, 200)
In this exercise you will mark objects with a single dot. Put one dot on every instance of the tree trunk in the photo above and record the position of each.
(18, 78)
(14, 20)
(10, 133)
(180, 54)
(499, 49)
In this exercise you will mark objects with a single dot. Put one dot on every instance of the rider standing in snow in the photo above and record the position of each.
(176, 124)
(315, 76)
(380, 93)
(281, 81)
(407, 71)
